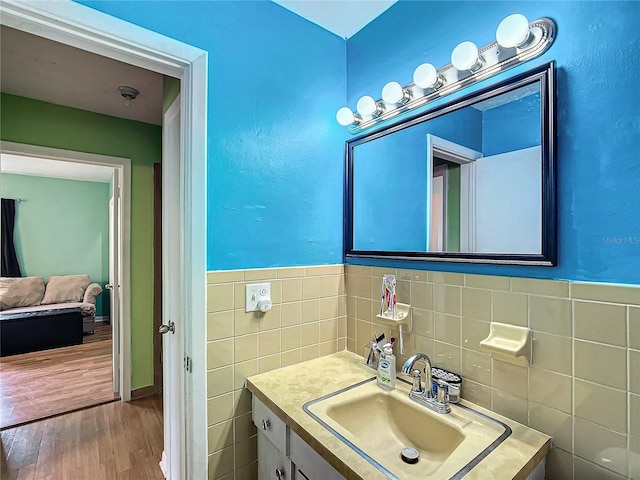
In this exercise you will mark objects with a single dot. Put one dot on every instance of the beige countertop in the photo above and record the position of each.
(287, 389)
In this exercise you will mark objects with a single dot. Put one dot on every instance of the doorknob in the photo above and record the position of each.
(167, 328)
(108, 286)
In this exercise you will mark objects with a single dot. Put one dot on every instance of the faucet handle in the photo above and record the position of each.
(442, 395)
(417, 383)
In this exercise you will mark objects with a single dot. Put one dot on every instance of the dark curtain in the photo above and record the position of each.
(10, 267)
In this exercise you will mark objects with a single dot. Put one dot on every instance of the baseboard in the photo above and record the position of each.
(102, 318)
(163, 464)
(142, 392)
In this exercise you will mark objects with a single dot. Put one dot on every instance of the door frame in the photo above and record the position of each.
(82, 27)
(123, 189)
(465, 157)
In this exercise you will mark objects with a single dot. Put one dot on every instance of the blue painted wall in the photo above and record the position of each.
(512, 126)
(388, 201)
(598, 115)
(275, 151)
(275, 169)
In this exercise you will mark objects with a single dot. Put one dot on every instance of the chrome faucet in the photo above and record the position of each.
(438, 402)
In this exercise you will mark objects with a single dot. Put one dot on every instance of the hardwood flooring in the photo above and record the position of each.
(113, 441)
(102, 332)
(38, 385)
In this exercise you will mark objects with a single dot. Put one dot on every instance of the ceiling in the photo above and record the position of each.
(46, 167)
(343, 17)
(35, 67)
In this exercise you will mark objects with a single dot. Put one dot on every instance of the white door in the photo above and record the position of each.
(509, 202)
(173, 458)
(114, 278)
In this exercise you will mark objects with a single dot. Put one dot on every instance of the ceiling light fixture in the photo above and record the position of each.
(517, 41)
(129, 94)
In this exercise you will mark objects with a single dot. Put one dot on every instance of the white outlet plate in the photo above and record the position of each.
(254, 293)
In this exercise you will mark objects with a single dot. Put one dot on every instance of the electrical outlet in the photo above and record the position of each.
(255, 293)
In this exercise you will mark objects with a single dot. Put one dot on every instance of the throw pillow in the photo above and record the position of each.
(66, 288)
(20, 292)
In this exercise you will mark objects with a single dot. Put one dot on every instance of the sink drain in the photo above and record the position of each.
(409, 455)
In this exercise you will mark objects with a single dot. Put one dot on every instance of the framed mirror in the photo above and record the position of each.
(472, 180)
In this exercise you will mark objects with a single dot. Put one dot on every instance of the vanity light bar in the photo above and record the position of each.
(517, 41)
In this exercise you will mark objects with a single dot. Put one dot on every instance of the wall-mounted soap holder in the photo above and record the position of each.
(509, 343)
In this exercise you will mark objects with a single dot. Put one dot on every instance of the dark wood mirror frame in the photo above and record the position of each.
(546, 76)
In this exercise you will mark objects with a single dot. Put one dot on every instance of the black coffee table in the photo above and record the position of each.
(42, 330)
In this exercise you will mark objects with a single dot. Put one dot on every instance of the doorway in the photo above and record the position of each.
(76, 25)
(63, 228)
(451, 219)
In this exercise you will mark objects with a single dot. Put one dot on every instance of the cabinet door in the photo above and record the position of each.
(309, 464)
(272, 463)
(269, 424)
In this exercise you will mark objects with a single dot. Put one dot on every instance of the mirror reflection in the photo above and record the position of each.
(468, 181)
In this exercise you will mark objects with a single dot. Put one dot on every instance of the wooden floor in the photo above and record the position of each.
(41, 384)
(102, 332)
(113, 441)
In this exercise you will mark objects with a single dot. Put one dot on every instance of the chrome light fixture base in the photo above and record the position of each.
(493, 59)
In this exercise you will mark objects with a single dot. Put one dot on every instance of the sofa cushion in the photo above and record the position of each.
(20, 292)
(66, 288)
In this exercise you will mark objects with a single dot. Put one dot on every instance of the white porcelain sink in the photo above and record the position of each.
(378, 424)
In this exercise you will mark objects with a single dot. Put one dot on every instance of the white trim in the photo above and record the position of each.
(194, 201)
(468, 212)
(450, 151)
(83, 27)
(102, 318)
(124, 166)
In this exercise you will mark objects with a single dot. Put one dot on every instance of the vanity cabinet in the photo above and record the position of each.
(282, 454)
(308, 463)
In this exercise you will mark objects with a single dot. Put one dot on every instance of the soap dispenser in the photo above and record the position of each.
(387, 368)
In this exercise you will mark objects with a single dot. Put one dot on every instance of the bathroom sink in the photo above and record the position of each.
(378, 424)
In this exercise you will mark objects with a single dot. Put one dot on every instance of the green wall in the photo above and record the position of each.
(62, 227)
(170, 90)
(38, 123)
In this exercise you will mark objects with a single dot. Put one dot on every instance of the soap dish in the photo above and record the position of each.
(509, 343)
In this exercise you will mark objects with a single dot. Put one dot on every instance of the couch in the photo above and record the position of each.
(26, 295)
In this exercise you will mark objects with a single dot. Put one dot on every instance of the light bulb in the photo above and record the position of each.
(367, 106)
(345, 117)
(426, 76)
(465, 56)
(513, 31)
(394, 94)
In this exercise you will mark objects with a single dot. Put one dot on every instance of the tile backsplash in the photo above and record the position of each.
(583, 386)
(307, 320)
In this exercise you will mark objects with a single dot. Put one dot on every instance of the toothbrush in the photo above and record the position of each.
(393, 298)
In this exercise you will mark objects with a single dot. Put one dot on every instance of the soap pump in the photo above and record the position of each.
(387, 368)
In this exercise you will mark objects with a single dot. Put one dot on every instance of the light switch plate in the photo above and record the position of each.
(254, 293)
